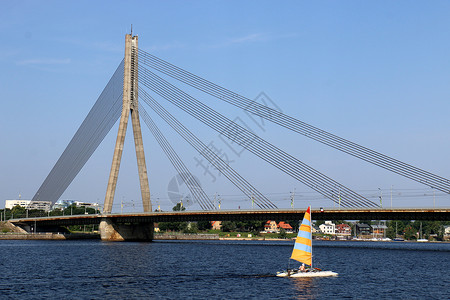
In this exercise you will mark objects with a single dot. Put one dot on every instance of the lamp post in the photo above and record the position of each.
(292, 198)
(434, 198)
(381, 197)
(391, 195)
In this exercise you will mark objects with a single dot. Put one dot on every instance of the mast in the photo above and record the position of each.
(310, 218)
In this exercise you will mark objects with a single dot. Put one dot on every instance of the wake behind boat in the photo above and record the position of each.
(302, 252)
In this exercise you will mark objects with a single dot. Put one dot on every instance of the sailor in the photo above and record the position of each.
(302, 268)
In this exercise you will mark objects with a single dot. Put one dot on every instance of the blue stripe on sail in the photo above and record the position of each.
(304, 234)
(306, 222)
(302, 247)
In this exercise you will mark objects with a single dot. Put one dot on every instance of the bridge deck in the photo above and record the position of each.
(424, 214)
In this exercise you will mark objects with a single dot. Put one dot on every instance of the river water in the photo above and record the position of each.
(220, 270)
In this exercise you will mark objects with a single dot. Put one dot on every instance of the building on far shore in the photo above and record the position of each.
(343, 229)
(379, 230)
(328, 227)
(216, 225)
(315, 229)
(63, 204)
(287, 227)
(447, 230)
(362, 229)
(9, 204)
(28, 204)
(271, 226)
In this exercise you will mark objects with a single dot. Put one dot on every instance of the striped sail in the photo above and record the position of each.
(302, 248)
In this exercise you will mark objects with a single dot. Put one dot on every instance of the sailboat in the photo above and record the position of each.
(302, 252)
(421, 236)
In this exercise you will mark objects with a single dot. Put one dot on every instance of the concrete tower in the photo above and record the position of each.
(130, 106)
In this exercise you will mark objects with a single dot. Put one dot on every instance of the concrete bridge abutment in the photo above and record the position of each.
(111, 231)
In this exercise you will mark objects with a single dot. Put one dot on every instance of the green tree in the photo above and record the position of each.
(294, 224)
(410, 233)
(282, 234)
(56, 212)
(368, 222)
(191, 227)
(18, 211)
(228, 226)
(255, 227)
(390, 233)
(318, 223)
(172, 226)
(179, 207)
(204, 225)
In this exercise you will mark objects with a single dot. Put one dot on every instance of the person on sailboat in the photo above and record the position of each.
(302, 268)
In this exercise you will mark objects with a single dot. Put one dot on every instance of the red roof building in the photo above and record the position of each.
(271, 226)
(343, 229)
(285, 226)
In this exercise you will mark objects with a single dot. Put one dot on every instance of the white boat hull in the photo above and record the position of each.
(307, 274)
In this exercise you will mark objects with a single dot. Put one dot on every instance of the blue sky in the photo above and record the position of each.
(376, 73)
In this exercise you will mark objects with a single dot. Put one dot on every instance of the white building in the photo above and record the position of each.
(328, 227)
(62, 204)
(44, 205)
(9, 204)
(447, 229)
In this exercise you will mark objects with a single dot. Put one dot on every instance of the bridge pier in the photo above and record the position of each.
(111, 231)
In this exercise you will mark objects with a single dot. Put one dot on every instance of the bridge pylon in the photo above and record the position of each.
(129, 106)
(108, 230)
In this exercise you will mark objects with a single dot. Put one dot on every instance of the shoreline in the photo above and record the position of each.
(198, 237)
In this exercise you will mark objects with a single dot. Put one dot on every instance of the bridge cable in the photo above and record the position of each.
(221, 97)
(253, 143)
(89, 135)
(191, 182)
(74, 157)
(223, 167)
(296, 125)
(210, 155)
(265, 151)
(332, 195)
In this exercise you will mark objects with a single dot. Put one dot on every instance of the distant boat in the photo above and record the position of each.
(302, 252)
(398, 239)
(421, 240)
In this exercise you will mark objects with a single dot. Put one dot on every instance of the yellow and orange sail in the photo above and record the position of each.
(302, 249)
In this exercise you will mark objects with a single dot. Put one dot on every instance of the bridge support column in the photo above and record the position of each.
(118, 232)
(129, 105)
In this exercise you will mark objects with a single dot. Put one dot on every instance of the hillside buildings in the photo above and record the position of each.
(46, 205)
(28, 204)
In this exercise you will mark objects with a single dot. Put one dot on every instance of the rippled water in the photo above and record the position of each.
(220, 270)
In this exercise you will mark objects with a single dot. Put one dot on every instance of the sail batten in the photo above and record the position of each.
(302, 249)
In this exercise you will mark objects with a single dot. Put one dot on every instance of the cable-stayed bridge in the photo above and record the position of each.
(136, 85)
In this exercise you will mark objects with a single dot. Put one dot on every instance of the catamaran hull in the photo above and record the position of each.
(308, 274)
